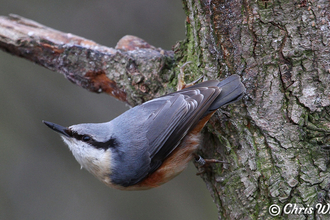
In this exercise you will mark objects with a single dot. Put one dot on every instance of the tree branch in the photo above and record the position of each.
(133, 72)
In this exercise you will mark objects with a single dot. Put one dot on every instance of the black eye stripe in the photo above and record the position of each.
(81, 137)
(111, 143)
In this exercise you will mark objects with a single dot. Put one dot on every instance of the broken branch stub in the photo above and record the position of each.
(133, 72)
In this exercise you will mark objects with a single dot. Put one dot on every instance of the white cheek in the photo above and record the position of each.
(96, 161)
(77, 150)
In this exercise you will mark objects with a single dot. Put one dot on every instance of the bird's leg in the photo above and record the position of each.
(204, 163)
(181, 83)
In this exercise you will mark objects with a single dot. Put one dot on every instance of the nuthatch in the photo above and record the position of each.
(153, 142)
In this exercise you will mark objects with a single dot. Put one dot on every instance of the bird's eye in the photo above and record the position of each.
(86, 138)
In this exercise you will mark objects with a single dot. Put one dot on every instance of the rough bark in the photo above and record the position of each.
(276, 141)
(277, 144)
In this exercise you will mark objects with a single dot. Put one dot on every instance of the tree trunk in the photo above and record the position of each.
(275, 142)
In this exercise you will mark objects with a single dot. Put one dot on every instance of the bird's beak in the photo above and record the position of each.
(58, 128)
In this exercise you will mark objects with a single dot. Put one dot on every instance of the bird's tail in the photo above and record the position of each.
(232, 90)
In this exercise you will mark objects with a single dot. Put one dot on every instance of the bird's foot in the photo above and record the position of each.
(205, 163)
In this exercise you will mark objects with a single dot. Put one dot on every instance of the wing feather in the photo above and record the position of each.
(177, 113)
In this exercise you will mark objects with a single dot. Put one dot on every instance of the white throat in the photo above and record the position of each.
(96, 161)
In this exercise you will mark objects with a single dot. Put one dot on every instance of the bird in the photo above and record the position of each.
(153, 142)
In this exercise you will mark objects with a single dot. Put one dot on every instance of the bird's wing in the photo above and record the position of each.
(175, 114)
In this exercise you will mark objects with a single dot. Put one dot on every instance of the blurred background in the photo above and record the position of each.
(39, 178)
